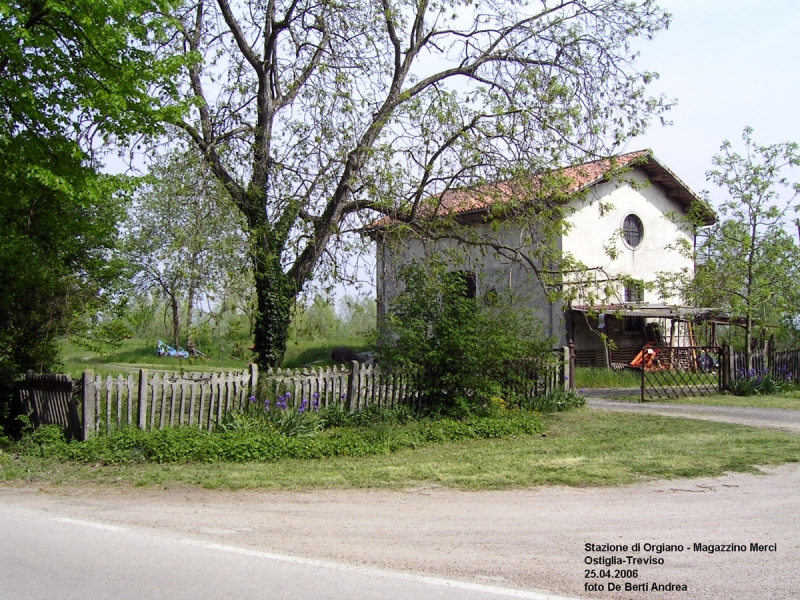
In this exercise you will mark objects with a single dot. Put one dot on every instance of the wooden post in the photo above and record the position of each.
(726, 367)
(253, 378)
(769, 354)
(30, 408)
(644, 381)
(571, 363)
(352, 385)
(141, 421)
(87, 401)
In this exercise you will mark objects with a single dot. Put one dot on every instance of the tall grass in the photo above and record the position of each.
(594, 377)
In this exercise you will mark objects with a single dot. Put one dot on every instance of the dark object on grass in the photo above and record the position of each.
(343, 354)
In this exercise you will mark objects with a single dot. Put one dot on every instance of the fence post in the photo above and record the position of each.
(32, 408)
(727, 367)
(141, 421)
(87, 404)
(770, 355)
(571, 348)
(352, 385)
(253, 378)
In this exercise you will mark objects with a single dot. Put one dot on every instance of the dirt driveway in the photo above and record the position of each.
(528, 538)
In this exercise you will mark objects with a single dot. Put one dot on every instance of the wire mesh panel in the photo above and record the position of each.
(679, 372)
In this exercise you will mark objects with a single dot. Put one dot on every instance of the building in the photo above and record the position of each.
(622, 222)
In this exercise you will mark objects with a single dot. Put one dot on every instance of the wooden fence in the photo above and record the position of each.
(95, 404)
(782, 365)
(50, 399)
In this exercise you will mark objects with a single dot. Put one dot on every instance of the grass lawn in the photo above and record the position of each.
(137, 354)
(582, 447)
(595, 377)
(789, 400)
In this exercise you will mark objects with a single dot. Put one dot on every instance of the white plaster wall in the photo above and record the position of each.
(597, 222)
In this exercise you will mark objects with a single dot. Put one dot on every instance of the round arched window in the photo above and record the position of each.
(632, 230)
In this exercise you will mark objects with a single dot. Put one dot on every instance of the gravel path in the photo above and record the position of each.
(768, 418)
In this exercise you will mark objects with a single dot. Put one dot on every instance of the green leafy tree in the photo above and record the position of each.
(464, 350)
(183, 238)
(319, 118)
(73, 76)
(748, 262)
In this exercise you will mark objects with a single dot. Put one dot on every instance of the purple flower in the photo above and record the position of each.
(315, 405)
(266, 404)
(252, 399)
(315, 395)
(344, 396)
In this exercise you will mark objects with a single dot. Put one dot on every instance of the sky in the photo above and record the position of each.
(729, 64)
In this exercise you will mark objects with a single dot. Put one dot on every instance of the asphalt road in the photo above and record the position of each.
(50, 557)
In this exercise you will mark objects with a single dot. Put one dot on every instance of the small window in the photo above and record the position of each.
(470, 283)
(633, 325)
(632, 230)
(634, 291)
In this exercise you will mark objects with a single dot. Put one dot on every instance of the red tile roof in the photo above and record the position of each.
(564, 182)
(577, 178)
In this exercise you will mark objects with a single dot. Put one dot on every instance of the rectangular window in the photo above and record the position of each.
(633, 325)
(470, 283)
(634, 291)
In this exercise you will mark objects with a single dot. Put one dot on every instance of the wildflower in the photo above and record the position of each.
(266, 404)
(315, 395)
(343, 396)
(252, 399)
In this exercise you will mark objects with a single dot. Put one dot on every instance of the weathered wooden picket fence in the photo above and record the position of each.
(49, 399)
(97, 404)
(782, 365)
(352, 388)
(158, 400)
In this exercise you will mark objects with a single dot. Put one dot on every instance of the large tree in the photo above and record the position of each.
(73, 76)
(319, 117)
(749, 262)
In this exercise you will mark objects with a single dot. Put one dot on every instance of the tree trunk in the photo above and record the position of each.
(176, 321)
(190, 319)
(275, 296)
(748, 340)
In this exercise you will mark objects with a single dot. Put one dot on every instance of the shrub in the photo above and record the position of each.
(279, 417)
(189, 444)
(460, 348)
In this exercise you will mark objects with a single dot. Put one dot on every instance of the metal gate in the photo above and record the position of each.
(678, 372)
